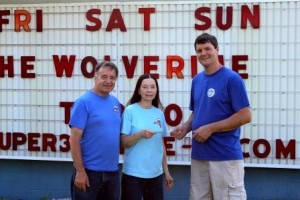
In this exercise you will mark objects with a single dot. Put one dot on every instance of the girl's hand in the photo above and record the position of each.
(169, 181)
(147, 133)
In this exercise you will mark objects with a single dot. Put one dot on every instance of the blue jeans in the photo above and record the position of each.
(134, 188)
(103, 186)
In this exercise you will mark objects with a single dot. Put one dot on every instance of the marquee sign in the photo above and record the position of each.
(48, 53)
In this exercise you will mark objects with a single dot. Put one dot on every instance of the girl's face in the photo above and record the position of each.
(148, 90)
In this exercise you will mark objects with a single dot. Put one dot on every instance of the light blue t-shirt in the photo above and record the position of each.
(100, 119)
(144, 159)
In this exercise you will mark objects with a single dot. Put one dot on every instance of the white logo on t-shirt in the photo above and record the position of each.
(115, 109)
(211, 92)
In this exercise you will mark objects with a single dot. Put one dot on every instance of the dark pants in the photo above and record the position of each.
(103, 186)
(134, 188)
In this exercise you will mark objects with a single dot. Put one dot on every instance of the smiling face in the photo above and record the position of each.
(207, 55)
(105, 79)
(148, 90)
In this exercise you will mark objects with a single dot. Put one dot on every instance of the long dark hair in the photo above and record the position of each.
(136, 97)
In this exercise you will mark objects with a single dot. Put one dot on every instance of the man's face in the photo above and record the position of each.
(105, 80)
(207, 54)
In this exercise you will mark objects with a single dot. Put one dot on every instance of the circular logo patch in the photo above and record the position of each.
(210, 92)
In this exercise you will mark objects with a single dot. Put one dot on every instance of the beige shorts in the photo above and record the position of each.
(218, 180)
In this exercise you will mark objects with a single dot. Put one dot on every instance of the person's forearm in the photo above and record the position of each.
(129, 140)
(188, 124)
(165, 163)
(76, 155)
(236, 120)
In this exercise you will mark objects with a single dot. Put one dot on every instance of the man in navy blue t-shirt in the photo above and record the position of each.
(219, 106)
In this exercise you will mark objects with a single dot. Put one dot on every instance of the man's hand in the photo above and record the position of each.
(81, 180)
(179, 132)
(202, 133)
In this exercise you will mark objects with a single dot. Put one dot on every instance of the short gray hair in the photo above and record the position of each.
(107, 64)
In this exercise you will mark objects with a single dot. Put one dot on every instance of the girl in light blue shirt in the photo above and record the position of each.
(143, 128)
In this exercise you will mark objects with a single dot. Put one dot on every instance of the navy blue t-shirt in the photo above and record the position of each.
(213, 98)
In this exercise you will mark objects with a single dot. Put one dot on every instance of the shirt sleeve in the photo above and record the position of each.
(126, 122)
(79, 115)
(238, 93)
(164, 125)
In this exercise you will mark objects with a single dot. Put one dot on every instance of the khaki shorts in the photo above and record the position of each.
(218, 180)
